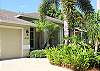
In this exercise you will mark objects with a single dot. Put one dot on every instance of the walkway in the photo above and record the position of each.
(29, 64)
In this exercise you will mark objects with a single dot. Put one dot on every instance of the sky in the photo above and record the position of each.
(20, 5)
(25, 5)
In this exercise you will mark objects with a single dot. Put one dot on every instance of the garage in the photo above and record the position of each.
(10, 43)
(14, 35)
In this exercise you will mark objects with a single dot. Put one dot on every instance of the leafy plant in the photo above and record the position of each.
(44, 24)
(51, 8)
(79, 56)
(38, 54)
(98, 58)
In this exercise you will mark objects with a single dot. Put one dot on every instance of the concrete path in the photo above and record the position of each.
(29, 64)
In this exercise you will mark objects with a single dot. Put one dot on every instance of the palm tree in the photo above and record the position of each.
(50, 8)
(69, 10)
(85, 6)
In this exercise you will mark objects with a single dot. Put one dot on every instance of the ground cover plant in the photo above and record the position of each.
(38, 54)
(77, 57)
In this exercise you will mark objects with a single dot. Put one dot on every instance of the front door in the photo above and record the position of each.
(32, 39)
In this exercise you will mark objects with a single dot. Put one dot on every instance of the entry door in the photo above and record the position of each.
(32, 39)
(10, 43)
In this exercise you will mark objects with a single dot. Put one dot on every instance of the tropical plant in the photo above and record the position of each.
(50, 8)
(85, 6)
(37, 54)
(44, 24)
(80, 56)
(91, 25)
(50, 28)
(73, 12)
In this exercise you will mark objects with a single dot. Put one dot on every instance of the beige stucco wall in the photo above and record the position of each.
(26, 41)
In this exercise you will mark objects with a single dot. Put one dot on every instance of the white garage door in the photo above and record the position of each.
(10, 43)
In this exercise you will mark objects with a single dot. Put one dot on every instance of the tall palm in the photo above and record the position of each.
(69, 7)
(85, 6)
(50, 7)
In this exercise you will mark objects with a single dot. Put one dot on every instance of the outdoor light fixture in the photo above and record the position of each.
(27, 32)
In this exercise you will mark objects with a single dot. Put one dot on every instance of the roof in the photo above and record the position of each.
(37, 16)
(31, 15)
(9, 17)
(7, 13)
(12, 17)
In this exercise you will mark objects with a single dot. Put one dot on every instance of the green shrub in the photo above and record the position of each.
(98, 58)
(53, 55)
(81, 57)
(38, 54)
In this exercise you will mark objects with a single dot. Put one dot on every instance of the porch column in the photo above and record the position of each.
(66, 31)
(22, 39)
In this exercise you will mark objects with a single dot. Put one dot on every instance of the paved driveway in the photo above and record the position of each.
(29, 64)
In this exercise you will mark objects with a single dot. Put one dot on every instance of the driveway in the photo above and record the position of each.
(29, 64)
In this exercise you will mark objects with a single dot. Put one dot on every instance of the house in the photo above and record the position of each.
(14, 35)
(18, 34)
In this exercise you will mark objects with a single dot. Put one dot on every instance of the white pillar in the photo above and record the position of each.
(66, 31)
(98, 4)
(45, 37)
(22, 39)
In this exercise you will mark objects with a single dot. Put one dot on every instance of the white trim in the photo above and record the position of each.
(22, 34)
(18, 15)
(34, 31)
(12, 27)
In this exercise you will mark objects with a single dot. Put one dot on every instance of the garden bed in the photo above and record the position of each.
(94, 69)
(76, 57)
(97, 68)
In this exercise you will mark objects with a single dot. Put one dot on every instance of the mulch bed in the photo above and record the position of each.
(97, 68)
(94, 69)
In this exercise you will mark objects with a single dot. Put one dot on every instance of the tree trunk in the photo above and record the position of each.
(96, 46)
(74, 32)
